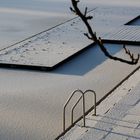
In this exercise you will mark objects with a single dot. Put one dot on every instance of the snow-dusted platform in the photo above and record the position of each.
(53, 47)
(47, 49)
(125, 34)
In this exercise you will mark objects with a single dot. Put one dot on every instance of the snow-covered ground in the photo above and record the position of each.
(117, 116)
(51, 47)
(31, 102)
(21, 19)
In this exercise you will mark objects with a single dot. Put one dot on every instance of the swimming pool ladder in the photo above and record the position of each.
(83, 105)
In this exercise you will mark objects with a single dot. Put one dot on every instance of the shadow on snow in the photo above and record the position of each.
(86, 61)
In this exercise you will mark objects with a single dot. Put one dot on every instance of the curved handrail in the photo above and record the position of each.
(92, 91)
(67, 102)
(72, 110)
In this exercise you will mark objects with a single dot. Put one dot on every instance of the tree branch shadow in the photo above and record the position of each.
(86, 61)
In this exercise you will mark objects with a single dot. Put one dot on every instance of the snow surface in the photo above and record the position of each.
(51, 47)
(31, 102)
(48, 48)
(117, 116)
(21, 19)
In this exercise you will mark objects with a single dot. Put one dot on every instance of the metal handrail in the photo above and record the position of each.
(72, 110)
(64, 108)
(92, 91)
(81, 97)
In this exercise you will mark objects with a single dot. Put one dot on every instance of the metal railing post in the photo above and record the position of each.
(94, 100)
(84, 120)
(74, 108)
(64, 108)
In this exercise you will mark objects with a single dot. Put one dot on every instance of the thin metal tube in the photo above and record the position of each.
(67, 102)
(82, 96)
(92, 91)
(84, 120)
(73, 108)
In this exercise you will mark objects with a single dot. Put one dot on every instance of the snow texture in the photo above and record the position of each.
(51, 47)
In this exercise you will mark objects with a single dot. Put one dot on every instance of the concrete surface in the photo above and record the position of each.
(118, 116)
